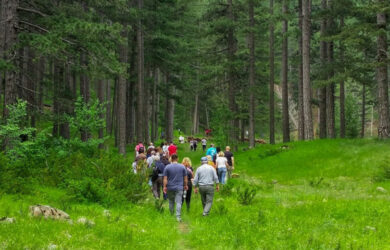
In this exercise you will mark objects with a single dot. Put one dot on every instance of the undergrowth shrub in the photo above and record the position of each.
(246, 195)
(383, 173)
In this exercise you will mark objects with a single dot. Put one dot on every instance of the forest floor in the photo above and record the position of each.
(325, 194)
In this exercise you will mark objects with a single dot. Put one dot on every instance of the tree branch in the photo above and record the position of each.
(32, 11)
(44, 30)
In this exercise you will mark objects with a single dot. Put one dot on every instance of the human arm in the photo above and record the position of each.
(185, 182)
(232, 162)
(165, 183)
(196, 179)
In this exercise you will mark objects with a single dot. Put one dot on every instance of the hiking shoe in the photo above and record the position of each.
(178, 219)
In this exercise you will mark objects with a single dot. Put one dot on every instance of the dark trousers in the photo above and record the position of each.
(157, 186)
(188, 197)
(204, 147)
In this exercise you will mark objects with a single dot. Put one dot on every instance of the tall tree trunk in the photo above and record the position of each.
(140, 85)
(40, 78)
(108, 108)
(31, 90)
(232, 48)
(11, 77)
(195, 118)
(363, 116)
(154, 105)
(146, 107)
(286, 121)
(251, 76)
(306, 30)
(342, 88)
(121, 115)
(131, 85)
(100, 94)
(84, 89)
(322, 90)
(271, 76)
(382, 77)
(56, 84)
(301, 119)
(65, 100)
(170, 110)
(330, 89)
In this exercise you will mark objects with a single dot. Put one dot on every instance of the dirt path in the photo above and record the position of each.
(183, 230)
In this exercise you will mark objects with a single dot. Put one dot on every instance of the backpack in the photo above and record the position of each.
(155, 172)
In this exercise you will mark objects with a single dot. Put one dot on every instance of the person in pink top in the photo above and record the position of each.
(139, 145)
(172, 149)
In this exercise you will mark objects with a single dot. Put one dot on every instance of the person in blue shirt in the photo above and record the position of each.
(211, 151)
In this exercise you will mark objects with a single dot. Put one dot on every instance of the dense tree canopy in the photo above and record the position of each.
(279, 70)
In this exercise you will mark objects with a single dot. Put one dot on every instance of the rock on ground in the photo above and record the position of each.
(7, 220)
(48, 212)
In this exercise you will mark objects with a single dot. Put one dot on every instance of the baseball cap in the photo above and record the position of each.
(204, 159)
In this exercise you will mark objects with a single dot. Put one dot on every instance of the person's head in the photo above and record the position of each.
(140, 142)
(209, 158)
(211, 145)
(141, 150)
(204, 160)
(221, 154)
(153, 152)
(151, 144)
(159, 150)
(156, 157)
(218, 149)
(187, 162)
(171, 142)
(227, 148)
(174, 158)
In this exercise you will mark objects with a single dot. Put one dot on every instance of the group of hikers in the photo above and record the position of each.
(178, 180)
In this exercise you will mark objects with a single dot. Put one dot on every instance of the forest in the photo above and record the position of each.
(280, 81)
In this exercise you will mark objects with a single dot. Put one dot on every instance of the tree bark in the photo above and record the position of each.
(84, 89)
(146, 106)
(11, 77)
(195, 118)
(140, 85)
(154, 105)
(56, 75)
(65, 99)
(363, 114)
(100, 94)
(301, 120)
(232, 48)
(170, 110)
(382, 77)
(31, 90)
(330, 89)
(131, 84)
(342, 88)
(251, 76)
(322, 90)
(121, 115)
(108, 108)
(306, 7)
(271, 76)
(285, 115)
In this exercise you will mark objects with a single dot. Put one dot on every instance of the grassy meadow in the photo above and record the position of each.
(309, 195)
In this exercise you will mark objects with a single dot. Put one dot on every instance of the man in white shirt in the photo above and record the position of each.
(205, 177)
(204, 144)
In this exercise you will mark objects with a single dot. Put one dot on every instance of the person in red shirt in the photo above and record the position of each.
(172, 149)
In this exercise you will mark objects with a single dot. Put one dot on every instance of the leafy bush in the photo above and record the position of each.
(246, 195)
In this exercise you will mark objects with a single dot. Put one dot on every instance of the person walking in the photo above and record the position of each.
(190, 176)
(211, 151)
(158, 184)
(191, 144)
(172, 149)
(175, 181)
(205, 177)
(195, 144)
(221, 164)
(230, 160)
(204, 144)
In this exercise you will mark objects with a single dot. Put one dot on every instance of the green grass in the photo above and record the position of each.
(313, 195)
